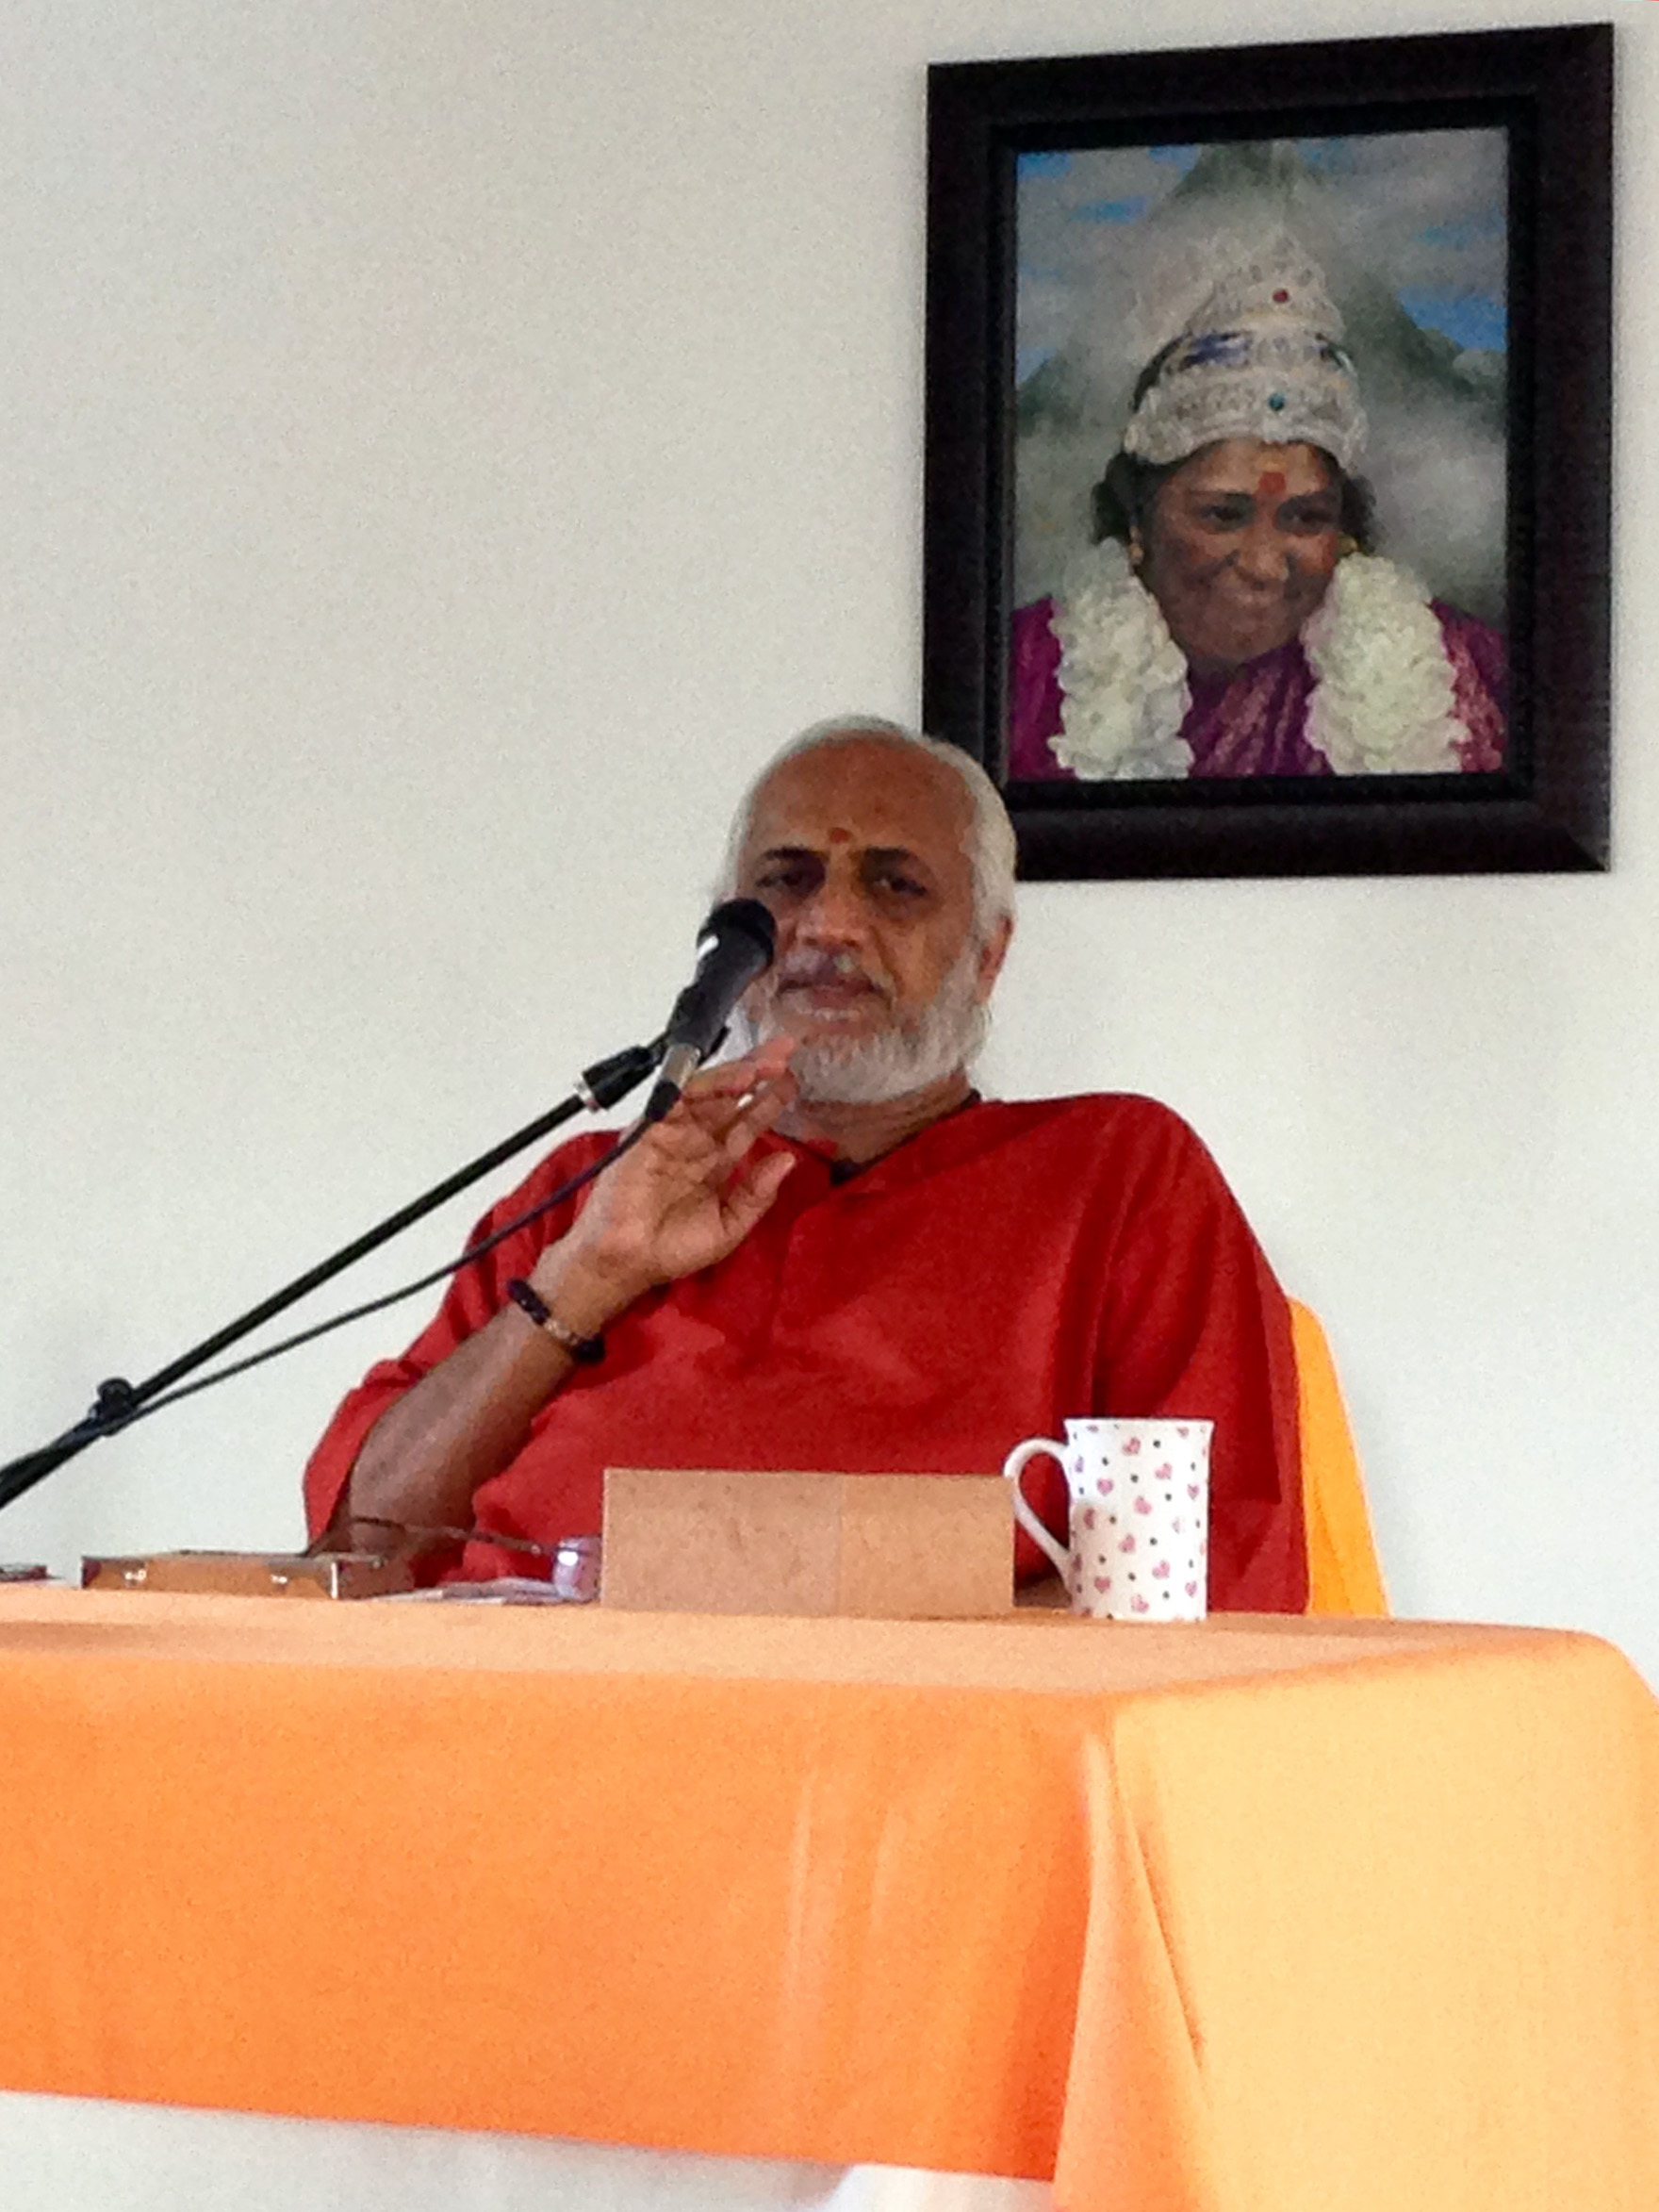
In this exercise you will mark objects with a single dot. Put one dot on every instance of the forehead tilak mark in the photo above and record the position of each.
(1270, 484)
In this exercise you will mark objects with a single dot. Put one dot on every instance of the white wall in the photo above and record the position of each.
(445, 446)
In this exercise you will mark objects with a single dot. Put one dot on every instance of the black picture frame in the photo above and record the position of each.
(1546, 809)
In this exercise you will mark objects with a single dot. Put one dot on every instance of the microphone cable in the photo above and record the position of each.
(737, 942)
(120, 1421)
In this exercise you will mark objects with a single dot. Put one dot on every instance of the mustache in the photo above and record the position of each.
(805, 970)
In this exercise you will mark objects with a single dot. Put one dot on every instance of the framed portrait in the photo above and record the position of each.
(1268, 424)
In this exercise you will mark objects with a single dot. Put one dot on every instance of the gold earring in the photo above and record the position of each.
(1136, 553)
(1346, 545)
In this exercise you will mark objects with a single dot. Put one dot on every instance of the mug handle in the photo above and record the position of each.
(1014, 1468)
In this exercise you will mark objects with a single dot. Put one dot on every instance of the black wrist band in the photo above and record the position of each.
(584, 1350)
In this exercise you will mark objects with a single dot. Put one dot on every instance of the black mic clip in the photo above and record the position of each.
(607, 1083)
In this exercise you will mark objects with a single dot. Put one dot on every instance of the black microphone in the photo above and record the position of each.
(734, 945)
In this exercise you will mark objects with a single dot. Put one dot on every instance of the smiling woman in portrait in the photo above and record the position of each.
(1232, 618)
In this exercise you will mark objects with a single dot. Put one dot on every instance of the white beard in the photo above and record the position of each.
(921, 1049)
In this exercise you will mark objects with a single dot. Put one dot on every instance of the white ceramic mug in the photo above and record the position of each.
(1140, 1516)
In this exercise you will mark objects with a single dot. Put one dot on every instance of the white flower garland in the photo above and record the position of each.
(1382, 698)
(1384, 701)
(1123, 676)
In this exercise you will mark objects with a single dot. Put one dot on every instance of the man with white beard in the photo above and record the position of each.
(833, 1252)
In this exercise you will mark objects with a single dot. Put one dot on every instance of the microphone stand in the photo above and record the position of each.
(117, 1401)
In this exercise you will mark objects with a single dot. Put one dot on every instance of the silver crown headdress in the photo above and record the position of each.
(1260, 358)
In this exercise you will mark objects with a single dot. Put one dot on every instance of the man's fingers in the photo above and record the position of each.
(700, 1144)
(750, 1195)
(730, 1077)
(756, 1113)
(719, 1130)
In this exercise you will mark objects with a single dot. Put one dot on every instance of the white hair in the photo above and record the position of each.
(990, 844)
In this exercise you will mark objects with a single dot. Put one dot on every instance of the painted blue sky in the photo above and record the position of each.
(1424, 211)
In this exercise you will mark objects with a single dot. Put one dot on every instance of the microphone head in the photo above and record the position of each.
(735, 945)
(742, 918)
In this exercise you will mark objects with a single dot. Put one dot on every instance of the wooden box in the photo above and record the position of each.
(893, 1546)
(246, 1574)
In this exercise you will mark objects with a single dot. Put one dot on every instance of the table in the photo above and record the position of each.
(1249, 1917)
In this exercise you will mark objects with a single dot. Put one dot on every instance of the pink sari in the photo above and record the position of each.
(1255, 721)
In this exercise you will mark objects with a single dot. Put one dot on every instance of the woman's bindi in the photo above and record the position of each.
(1270, 485)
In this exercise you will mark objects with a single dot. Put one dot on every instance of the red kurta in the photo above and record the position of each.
(1009, 1267)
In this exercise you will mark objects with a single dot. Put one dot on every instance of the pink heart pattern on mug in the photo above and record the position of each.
(1109, 1532)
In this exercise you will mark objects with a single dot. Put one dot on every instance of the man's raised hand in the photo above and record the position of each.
(684, 1196)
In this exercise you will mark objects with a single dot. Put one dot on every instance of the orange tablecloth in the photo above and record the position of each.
(1253, 1917)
